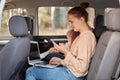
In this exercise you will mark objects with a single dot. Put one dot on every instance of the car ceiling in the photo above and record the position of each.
(36, 3)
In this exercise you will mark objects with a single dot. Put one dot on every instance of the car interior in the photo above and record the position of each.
(44, 21)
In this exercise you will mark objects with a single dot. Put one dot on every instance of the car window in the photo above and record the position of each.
(2, 3)
(53, 21)
(4, 29)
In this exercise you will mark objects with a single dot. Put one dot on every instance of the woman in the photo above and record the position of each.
(77, 58)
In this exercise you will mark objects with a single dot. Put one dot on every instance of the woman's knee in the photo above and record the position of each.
(30, 70)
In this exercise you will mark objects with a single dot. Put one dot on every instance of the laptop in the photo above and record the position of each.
(34, 57)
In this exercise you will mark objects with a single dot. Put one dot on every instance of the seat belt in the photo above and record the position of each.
(117, 70)
(119, 78)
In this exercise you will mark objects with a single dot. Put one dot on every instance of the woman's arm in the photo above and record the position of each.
(79, 59)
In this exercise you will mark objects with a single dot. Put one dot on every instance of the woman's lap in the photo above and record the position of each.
(58, 73)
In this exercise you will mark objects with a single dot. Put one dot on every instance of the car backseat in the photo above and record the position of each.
(107, 50)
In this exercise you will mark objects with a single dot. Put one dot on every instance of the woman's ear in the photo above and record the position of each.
(82, 19)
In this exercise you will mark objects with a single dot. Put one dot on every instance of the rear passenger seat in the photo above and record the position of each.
(108, 49)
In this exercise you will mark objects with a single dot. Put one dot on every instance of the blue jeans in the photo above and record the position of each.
(58, 73)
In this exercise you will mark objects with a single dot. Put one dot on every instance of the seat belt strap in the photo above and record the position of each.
(117, 72)
(116, 75)
(119, 78)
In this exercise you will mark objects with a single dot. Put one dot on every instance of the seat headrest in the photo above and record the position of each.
(18, 26)
(29, 23)
(113, 20)
(99, 21)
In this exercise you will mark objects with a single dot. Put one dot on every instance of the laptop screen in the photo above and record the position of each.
(34, 51)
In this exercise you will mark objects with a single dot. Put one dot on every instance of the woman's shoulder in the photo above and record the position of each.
(87, 35)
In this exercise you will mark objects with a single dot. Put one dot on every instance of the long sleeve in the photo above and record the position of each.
(82, 49)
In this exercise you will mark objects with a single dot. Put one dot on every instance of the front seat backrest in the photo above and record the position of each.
(14, 53)
(107, 50)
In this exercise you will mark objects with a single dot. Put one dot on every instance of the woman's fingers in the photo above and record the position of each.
(54, 62)
(61, 48)
(55, 45)
(61, 44)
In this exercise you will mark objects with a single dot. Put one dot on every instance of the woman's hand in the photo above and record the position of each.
(61, 48)
(51, 50)
(55, 62)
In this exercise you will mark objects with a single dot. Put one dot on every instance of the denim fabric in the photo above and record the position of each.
(58, 73)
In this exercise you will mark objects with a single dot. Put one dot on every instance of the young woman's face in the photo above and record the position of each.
(74, 22)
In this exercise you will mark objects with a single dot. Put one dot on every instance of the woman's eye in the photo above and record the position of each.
(70, 23)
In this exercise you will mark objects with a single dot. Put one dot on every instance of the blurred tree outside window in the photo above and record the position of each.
(4, 30)
(53, 20)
